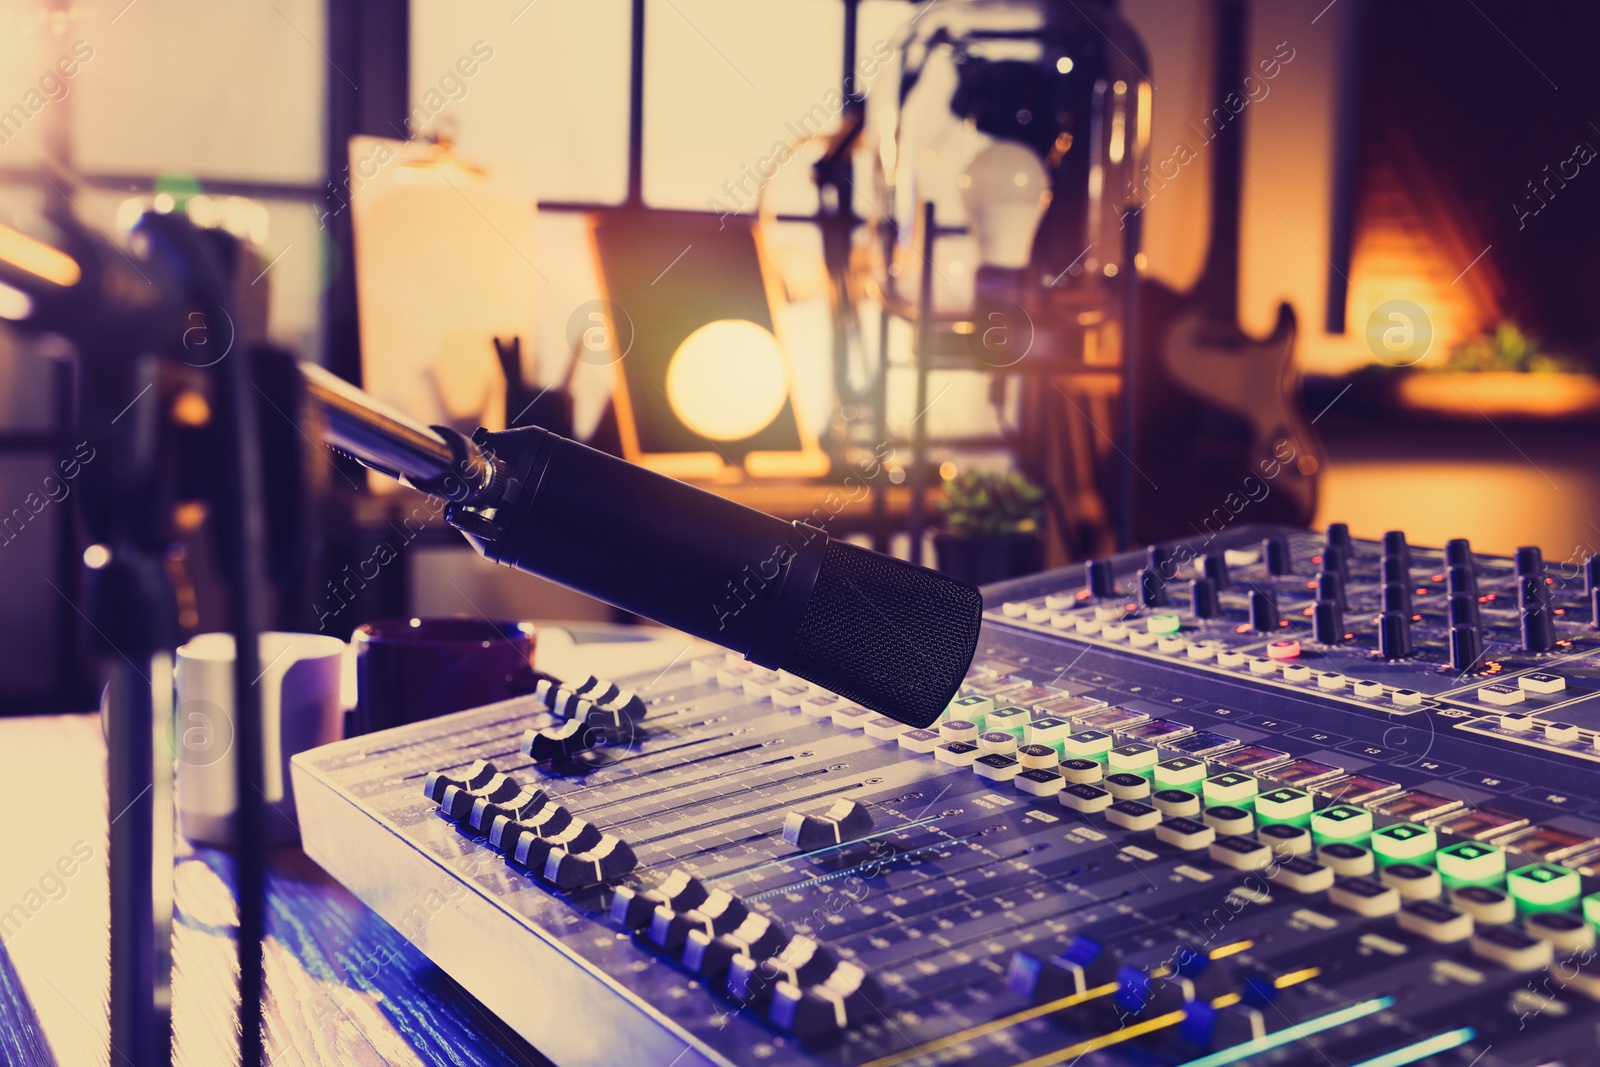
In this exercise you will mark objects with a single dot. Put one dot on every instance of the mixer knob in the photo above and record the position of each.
(1394, 544)
(1397, 598)
(1458, 552)
(1098, 578)
(1084, 964)
(1530, 560)
(1466, 647)
(1395, 569)
(1594, 610)
(1214, 565)
(1330, 587)
(1327, 622)
(1152, 589)
(679, 891)
(1394, 635)
(1337, 560)
(1264, 615)
(1158, 559)
(1338, 536)
(1538, 625)
(1203, 598)
(1275, 550)
(1464, 611)
(1591, 574)
(845, 821)
(758, 937)
(1462, 579)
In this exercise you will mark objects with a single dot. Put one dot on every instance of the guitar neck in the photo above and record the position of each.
(1224, 125)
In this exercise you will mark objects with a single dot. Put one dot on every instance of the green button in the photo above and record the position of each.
(1541, 887)
(1404, 842)
(1093, 744)
(1591, 908)
(1284, 805)
(1132, 757)
(1341, 822)
(973, 708)
(1162, 624)
(1230, 787)
(1180, 772)
(1470, 863)
(1013, 721)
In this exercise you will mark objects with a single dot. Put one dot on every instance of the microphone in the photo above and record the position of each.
(886, 634)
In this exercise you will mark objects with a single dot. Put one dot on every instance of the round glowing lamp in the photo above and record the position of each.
(728, 380)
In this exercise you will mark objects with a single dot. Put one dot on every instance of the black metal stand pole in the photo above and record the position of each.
(915, 521)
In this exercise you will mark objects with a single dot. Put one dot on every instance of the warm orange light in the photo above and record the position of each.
(728, 380)
(38, 258)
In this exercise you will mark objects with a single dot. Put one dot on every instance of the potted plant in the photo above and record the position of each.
(1506, 373)
(992, 527)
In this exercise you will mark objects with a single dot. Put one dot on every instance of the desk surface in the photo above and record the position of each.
(342, 985)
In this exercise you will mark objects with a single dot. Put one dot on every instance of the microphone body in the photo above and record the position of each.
(884, 633)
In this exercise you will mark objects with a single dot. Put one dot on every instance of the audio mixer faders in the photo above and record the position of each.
(1277, 798)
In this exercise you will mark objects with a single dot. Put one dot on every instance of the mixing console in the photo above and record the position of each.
(1275, 799)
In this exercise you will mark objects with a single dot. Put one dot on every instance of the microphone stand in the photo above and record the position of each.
(173, 421)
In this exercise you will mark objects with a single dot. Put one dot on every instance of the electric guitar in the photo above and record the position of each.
(1219, 437)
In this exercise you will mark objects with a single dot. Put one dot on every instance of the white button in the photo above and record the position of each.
(1172, 644)
(1089, 625)
(1330, 680)
(1516, 723)
(1406, 696)
(1201, 652)
(1058, 601)
(1063, 621)
(1542, 683)
(1140, 639)
(1561, 731)
(1501, 696)
(1296, 673)
(1262, 666)
(1115, 632)
(1014, 609)
(1231, 659)
(1039, 614)
(1363, 688)
(1240, 557)
(1108, 612)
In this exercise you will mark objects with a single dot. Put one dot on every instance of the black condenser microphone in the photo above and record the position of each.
(878, 631)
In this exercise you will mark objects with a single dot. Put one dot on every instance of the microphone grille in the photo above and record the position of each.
(886, 634)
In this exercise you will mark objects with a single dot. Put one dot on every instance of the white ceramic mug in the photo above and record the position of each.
(300, 709)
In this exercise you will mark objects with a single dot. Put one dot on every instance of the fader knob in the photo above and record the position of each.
(1466, 647)
(1458, 552)
(1395, 569)
(1158, 559)
(1530, 560)
(1591, 574)
(1337, 560)
(1275, 550)
(1264, 615)
(1098, 578)
(1397, 597)
(1214, 565)
(1394, 635)
(1327, 622)
(1203, 598)
(1338, 535)
(1152, 589)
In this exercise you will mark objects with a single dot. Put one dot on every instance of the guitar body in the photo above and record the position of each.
(1218, 435)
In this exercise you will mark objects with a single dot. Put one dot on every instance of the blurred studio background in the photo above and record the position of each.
(883, 265)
